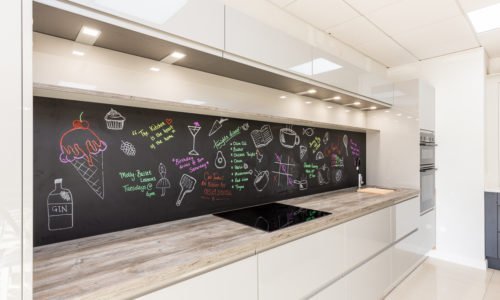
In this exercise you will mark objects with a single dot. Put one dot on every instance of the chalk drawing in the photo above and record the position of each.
(319, 155)
(303, 151)
(283, 169)
(326, 137)
(220, 160)
(323, 175)
(187, 184)
(216, 126)
(114, 120)
(289, 138)
(128, 148)
(303, 184)
(60, 207)
(308, 131)
(262, 137)
(338, 175)
(261, 180)
(163, 183)
(259, 155)
(346, 140)
(194, 131)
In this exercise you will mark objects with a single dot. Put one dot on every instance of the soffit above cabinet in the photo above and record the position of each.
(67, 25)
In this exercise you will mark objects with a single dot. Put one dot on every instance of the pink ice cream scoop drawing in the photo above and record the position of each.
(83, 149)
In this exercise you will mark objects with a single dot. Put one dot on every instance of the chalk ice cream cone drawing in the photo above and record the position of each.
(114, 120)
(83, 149)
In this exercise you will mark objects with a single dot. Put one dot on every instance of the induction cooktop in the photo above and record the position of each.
(272, 216)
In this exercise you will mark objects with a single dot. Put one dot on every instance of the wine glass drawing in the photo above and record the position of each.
(194, 131)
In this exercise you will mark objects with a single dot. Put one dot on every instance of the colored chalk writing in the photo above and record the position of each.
(191, 164)
(224, 140)
(158, 133)
(315, 144)
(354, 148)
(214, 187)
(142, 181)
(310, 169)
(240, 171)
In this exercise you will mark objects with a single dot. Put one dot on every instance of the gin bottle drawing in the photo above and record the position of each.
(60, 207)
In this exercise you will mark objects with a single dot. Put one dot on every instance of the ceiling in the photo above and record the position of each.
(397, 32)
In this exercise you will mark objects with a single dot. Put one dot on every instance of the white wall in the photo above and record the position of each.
(129, 75)
(492, 133)
(459, 80)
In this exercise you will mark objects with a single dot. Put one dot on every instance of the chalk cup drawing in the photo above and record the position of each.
(262, 137)
(338, 175)
(303, 151)
(187, 184)
(163, 183)
(114, 120)
(324, 175)
(319, 155)
(302, 184)
(84, 150)
(60, 207)
(194, 129)
(259, 156)
(326, 137)
(346, 140)
(308, 131)
(216, 126)
(289, 138)
(261, 180)
(128, 148)
(220, 160)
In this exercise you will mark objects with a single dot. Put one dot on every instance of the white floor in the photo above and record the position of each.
(436, 279)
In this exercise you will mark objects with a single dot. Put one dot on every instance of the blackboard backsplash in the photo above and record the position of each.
(100, 168)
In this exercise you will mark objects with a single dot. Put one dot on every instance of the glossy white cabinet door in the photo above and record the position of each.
(405, 255)
(372, 280)
(336, 291)
(405, 217)
(254, 40)
(201, 21)
(346, 77)
(296, 269)
(234, 281)
(376, 86)
(427, 107)
(367, 235)
(428, 230)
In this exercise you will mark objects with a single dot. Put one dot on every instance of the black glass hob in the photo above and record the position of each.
(272, 216)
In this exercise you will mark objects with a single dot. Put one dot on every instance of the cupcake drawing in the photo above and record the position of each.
(114, 120)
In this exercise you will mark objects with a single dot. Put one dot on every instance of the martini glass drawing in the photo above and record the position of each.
(194, 131)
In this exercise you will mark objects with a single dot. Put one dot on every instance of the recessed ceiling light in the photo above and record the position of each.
(316, 66)
(486, 18)
(283, 97)
(347, 110)
(387, 111)
(409, 117)
(357, 103)
(373, 107)
(337, 98)
(308, 102)
(154, 69)
(78, 53)
(329, 107)
(311, 91)
(399, 115)
(173, 57)
(149, 10)
(88, 35)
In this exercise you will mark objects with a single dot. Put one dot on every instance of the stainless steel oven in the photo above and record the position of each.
(427, 172)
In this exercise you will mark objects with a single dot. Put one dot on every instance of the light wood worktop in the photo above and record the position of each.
(134, 262)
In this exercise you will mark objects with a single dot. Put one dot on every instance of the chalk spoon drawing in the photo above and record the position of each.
(187, 184)
(220, 160)
(114, 120)
(289, 138)
(194, 129)
(216, 126)
(346, 140)
(261, 180)
(163, 183)
(84, 150)
(261, 137)
(128, 148)
(326, 137)
(60, 207)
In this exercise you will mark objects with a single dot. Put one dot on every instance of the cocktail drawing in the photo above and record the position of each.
(194, 129)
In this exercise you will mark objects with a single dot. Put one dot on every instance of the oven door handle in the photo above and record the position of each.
(428, 144)
(427, 170)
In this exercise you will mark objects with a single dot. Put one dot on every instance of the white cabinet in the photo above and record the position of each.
(336, 291)
(367, 235)
(427, 107)
(254, 40)
(234, 281)
(201, 21)
(376, 86)
(371, 280)
(427, 230)
(405, 255)
(405, 217)
(345, 77)
(296, 269)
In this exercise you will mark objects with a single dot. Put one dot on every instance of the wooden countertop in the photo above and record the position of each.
(135, 262)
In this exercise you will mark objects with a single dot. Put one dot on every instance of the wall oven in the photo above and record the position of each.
(427, 172)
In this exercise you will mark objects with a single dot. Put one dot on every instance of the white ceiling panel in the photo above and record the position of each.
(367, 6)
(451, 35)
(490, 40)
(322, 13)
(362, 35)
(470, 5)
(281, 2)
(410, 14)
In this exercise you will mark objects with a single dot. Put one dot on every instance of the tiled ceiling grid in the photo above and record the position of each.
(397, 32)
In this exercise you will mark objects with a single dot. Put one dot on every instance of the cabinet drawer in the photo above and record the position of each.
(294, 270)
(405, 218)
(367, 235)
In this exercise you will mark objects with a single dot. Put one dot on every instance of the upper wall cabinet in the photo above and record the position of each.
(197, 20)
(331, 70)
(254, 40)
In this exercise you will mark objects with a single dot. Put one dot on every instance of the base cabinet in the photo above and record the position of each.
(406, 254)
(234, 281)
(427, 230)
(337, 291)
